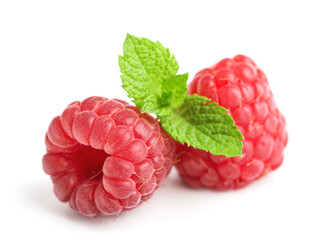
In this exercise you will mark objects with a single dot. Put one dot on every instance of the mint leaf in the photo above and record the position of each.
(177, 89)
(149, 76)
(151, 105)
(203, 124)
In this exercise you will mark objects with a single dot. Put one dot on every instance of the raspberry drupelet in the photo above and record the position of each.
(241, 87)
(105, 156)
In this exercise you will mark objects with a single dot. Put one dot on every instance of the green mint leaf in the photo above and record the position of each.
(177, 89)
(151, 105)
(203, 124)
(149, 76)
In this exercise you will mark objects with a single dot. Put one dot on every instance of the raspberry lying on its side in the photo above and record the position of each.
(241, 87)
(105, 156)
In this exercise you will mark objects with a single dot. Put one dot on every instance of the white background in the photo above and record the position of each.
(56, 52)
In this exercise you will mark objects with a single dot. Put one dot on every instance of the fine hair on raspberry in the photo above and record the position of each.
(105, 156)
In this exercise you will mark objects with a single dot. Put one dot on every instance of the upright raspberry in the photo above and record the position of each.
(105, 156)
(242, 88)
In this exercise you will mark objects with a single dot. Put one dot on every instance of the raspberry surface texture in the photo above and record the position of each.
(105, 156)
(241, 87)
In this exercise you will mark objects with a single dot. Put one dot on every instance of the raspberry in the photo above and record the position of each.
(240, 86)
(105, 156)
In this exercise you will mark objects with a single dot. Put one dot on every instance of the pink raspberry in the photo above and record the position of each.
(240, 86)
(105, 156)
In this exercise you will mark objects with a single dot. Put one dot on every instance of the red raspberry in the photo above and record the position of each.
(105, 156)
(240, 86)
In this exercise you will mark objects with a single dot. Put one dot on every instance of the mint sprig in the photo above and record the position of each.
(150, 78)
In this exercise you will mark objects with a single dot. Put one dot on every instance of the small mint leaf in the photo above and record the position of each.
(203, 124)
(151, 105)
(149, 76)
(178, 89)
